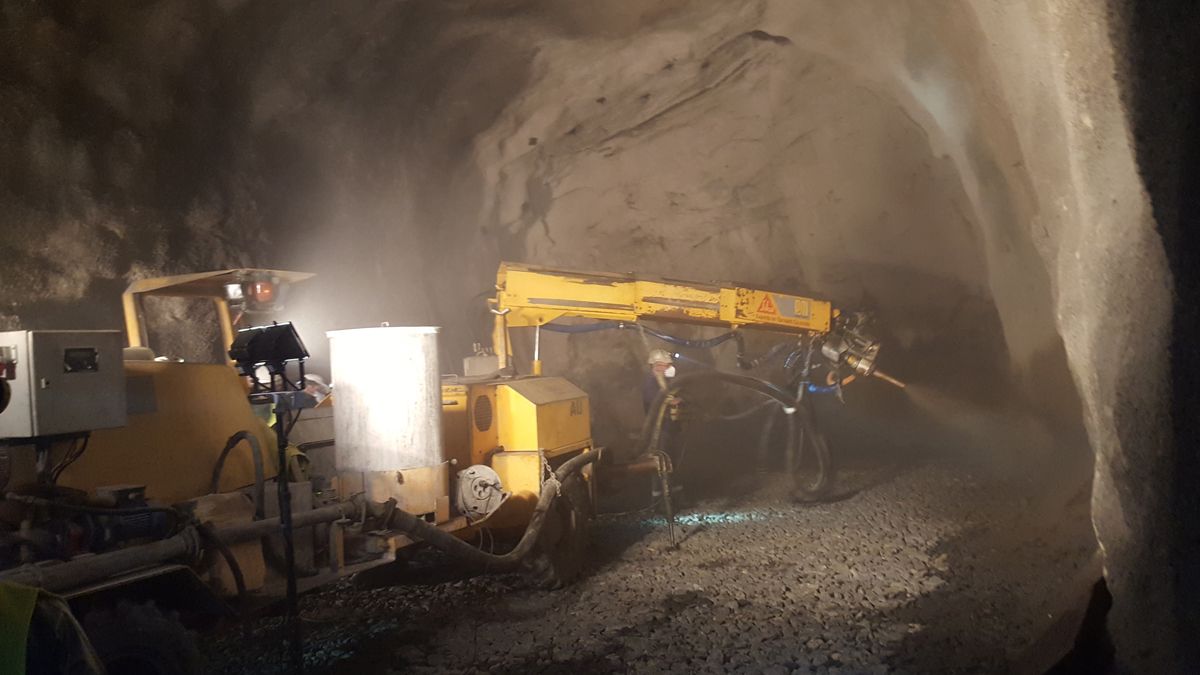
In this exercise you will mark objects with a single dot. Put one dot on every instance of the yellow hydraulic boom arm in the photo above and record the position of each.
(534, 296)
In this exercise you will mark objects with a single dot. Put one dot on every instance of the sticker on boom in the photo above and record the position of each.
(767, 306)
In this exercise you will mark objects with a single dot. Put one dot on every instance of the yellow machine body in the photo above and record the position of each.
(180, 416)
(512, 425)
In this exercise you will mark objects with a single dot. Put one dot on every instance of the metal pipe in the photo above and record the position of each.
(611, 473)
(234, 534)
(90, 569)
(187, 544)
(889, 379)
(537, 350)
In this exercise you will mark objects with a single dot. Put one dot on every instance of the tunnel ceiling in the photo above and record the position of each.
(952, 167)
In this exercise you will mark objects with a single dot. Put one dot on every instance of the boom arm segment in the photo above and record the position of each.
(534, 296)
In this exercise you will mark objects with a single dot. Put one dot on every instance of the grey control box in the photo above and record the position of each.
(60, 382)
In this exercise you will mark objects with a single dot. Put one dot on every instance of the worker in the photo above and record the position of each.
(662, 371)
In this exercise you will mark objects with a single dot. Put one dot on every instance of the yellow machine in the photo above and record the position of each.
(836, 346)
(529, 296)
(516, 451)
(512, 425)
(535, 296)
(181, 414)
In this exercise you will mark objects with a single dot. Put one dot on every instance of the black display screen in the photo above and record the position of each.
(81, 360)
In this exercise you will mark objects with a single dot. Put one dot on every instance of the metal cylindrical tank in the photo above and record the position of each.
(388, 398)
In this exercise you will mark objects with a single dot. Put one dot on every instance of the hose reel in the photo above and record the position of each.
(479, 492)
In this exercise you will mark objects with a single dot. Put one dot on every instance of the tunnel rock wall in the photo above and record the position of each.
(114, 160)
(1112, 300)
(953, 166)
(741, 145)
(809, 145)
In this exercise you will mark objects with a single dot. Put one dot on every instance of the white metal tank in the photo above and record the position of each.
(388, 398)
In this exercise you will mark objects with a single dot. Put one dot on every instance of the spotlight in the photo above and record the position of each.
(273, 346)
(260, 292)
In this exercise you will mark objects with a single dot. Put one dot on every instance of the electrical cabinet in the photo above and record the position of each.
(60, 382)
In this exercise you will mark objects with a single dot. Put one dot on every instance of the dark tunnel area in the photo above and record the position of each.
(1005, 187)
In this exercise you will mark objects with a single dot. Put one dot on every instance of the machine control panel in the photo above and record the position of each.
(60, 382)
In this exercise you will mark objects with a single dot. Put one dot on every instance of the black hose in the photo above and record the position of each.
(316, 445)
(748, 412)
(753, 383)
(582, 327)
(210, 536)
(768, 356)
(764, 441)
(270, 555)
(695, 344)
(260, 481)
(419, 529)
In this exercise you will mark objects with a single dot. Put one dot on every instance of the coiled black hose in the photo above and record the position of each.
(418, 528)
(210, 536)
(768, 389)
(272, 557)
(260, 481)
(651, 428)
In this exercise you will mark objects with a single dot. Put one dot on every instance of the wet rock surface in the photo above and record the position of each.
(937, 569)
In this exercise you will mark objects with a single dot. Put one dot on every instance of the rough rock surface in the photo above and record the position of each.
(956, 166)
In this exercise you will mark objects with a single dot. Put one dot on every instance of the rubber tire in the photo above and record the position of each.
(561, 554)
(814, 471)
(139, 639)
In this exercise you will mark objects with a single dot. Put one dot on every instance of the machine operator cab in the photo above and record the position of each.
(238, 297)
(181, 413)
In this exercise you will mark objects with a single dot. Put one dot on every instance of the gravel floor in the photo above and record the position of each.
(929, 568)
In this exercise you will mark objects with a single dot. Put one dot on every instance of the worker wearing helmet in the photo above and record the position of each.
(662, 371)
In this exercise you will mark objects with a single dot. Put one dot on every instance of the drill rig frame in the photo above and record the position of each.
(842, 343)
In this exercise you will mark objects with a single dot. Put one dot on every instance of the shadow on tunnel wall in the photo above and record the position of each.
(1160, 78)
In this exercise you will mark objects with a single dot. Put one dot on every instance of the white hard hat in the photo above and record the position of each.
(660, 356)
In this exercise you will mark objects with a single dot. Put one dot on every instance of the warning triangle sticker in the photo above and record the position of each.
(767, 306)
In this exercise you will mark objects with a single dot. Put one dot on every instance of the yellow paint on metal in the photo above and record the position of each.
(199, 285)
(509, 424)
(456, 439)
(484, 422)
(534, 296)
(181, 415)
(520, 472)
(208, 284)
(764, 308)
(226, 321)
(135, 332)
(416, 491)
(521, 475)
(501, 345)
(546, 413)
